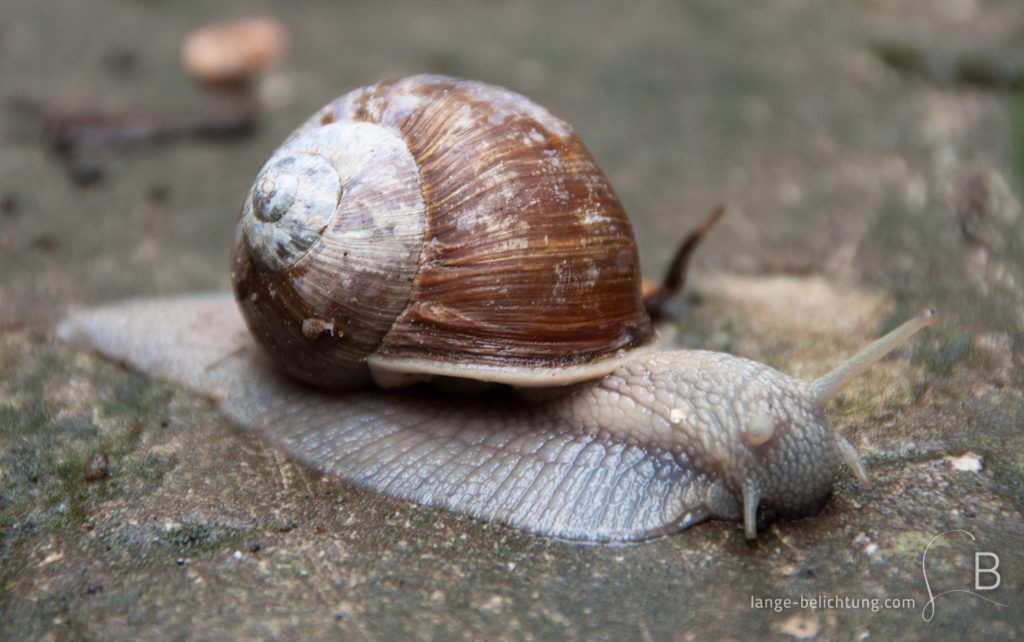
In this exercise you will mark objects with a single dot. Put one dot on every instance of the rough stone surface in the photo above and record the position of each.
(848, 180)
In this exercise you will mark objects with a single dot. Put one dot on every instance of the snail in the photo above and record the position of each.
(488, 246)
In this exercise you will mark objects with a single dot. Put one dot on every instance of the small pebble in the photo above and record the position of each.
(98, 467)
(800, 628)
(232, 52)
(969, 462)
(287, 528)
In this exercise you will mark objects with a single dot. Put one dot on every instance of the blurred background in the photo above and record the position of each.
(814, 123)
(876, 144)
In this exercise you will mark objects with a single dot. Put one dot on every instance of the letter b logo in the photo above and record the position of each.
(992, 569)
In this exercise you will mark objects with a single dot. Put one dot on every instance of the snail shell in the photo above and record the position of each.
(436, 226)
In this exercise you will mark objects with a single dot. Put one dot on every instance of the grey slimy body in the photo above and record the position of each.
(709, 411)
(662, 443)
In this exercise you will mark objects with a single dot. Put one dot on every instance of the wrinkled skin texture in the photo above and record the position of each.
(662, 443)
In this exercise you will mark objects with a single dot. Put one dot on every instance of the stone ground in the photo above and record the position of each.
(870, 155)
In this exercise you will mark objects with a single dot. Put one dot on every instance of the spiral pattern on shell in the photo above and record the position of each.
(436, 226)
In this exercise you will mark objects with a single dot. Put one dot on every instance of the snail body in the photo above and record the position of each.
(633, 441)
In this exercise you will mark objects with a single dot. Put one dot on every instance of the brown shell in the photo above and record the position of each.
(528, 260)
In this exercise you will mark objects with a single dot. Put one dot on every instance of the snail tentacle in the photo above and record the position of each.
(751, 500)
(852, 459)
(828, 386)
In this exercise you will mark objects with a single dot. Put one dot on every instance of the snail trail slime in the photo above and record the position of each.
(438, 228)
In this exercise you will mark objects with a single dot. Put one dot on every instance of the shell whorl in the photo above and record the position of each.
(325, 175)
(334, 229)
